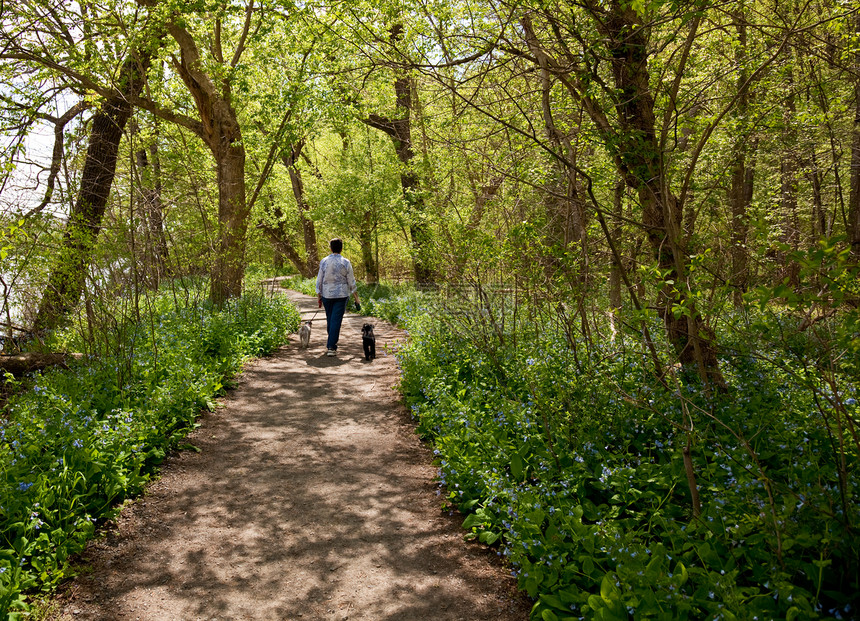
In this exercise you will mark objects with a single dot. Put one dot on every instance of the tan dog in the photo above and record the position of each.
(305, 334)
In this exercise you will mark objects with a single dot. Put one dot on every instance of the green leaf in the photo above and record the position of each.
(709, 556)
(680, 574)
(555, 602)
(653, 569)
(594, 602)
(489, 537)
(517, 467)
(466, 506)
(588, 544)
(549, 615)
(608, 591)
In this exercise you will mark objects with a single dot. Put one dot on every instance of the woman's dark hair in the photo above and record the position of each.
(336, 245)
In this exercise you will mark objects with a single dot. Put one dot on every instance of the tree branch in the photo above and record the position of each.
(676, 83)
(57, 155)
(108, 92)
(381, 123)
(459, 61)
(217, 50)
(270, 159)
(244, 37)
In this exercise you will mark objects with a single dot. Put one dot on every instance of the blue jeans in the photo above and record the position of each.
(334, 310)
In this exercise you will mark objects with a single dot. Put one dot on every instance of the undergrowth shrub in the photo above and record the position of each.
(570, 458)
(78, 442)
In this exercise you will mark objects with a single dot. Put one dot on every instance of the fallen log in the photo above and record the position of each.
(18, 364)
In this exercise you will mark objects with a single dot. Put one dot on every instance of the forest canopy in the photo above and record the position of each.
(673, 150)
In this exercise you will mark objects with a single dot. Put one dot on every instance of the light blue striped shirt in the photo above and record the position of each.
(335, 278)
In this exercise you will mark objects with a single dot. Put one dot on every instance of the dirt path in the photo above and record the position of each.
(310, 498)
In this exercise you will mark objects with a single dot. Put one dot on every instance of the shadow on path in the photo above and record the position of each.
(310, 498)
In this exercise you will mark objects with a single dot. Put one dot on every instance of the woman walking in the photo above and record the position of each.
(335, 283)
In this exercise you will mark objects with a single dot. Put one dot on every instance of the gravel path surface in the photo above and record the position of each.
(311, 498)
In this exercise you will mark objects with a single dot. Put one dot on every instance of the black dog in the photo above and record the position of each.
(368, 340)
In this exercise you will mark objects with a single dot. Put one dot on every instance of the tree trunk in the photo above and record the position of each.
(281, 237)
(221, 132)
(740, 192)
(615, 270)
(228, 269)
(740, 197)
(282, 242)
(788, 167)
(156, 220)
(367, 232)
(819, 213)
(155, 251)
(68, 273)
(399, 130)
(27, 362)
(309, 233)
(853, 223)
(565, 210)
(284, 248)
(854, 197)
(365, 240)
(638, 155)
(483, 194)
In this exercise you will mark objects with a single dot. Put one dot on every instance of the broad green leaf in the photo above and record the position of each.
(517, 467)
(709, 556)
(489, 537)
(609, 592)
(555, 602)
(680, 576)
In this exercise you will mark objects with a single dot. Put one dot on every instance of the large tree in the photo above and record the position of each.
(854, 197)
(68, 274)
(43, 42)
(603, 56)
(399, 127)
(208, 73)
(219, 129)
(629, 122)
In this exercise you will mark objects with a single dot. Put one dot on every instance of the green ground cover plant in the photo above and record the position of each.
(75, 443)
(580, 466)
